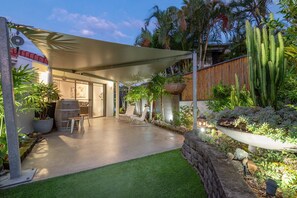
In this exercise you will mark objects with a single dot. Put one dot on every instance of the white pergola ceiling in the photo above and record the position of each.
(99, 58)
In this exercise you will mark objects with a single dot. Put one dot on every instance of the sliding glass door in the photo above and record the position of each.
(98, 100)
(90, 95)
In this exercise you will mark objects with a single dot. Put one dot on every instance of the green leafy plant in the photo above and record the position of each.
(239, 97)
(288, 91)
(176, 119)
(156, 91)
(220, 97)
(22, 82)
(186, 116)
(136, 94)
(229, 97)
(43, 95)
(175, 79)
(158, 116)
(183, 117)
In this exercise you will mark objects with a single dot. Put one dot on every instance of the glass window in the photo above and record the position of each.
(66, 87)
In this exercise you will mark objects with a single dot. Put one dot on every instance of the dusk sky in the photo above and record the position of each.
(117, 21)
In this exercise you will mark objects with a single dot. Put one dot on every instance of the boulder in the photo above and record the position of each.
(240, 154)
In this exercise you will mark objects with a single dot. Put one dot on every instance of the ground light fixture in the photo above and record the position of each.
(202, 121)
(202, 129)
(271, 187)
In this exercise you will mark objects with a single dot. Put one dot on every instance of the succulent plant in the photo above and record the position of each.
(266, 64)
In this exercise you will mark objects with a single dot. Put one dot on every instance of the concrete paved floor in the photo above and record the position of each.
(106, 141)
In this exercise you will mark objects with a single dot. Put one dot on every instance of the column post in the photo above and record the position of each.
(117, 99)
(8, 101)
(195, 108)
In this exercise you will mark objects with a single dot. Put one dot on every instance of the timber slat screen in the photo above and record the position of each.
(208, 77)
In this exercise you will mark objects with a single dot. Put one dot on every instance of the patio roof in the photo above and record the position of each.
(103, 59)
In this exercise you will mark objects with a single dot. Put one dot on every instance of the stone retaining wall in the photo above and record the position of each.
(219, 176)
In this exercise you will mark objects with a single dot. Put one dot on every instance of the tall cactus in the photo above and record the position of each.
(266, 64)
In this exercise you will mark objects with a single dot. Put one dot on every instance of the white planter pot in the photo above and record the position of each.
(257, 140)
(43, 126)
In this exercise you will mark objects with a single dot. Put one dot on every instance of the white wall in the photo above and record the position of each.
(24, 120)
(110, 98)
(170, 105)
(22, 61)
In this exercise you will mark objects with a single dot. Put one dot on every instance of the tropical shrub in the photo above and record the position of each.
(288, 91)
(229, 97)
(43, 95)
(23, 92)
(156, 91)
(136, 94)
(183, 117)
(176, 119)
(158, 116)
(240, 97)
(220, 98)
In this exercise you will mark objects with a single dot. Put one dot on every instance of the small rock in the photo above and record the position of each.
(244, 161)
(240, 154)
(230, 156)
(252, 167)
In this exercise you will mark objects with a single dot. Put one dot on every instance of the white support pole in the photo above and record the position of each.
(195, 108)
(16, 175)
(8, 100)
(50, 74)
(117, 99)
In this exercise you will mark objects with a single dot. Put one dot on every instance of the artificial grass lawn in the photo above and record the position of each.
(162, 175)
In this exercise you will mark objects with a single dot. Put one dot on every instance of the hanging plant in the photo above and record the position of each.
(175, 84)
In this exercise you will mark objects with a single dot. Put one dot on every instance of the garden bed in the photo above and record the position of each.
(260, 166)
(25, 148)
(219, 178)
(165, 125)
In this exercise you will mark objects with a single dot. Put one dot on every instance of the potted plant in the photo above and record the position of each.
(45, 94)
(175, 84)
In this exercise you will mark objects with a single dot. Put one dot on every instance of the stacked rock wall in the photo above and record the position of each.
(218, 175)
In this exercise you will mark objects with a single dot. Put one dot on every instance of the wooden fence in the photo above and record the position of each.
(222, 72)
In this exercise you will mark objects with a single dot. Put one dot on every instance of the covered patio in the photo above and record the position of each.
(106, 141)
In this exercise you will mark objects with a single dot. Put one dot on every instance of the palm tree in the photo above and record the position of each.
(166, 24)
(252, 10)
(255, 11)
(145, 38)
(206, 20)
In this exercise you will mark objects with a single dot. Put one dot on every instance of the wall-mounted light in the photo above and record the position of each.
(43, 77)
